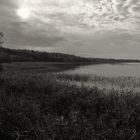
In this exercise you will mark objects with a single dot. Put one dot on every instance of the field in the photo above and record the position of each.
(35, 105)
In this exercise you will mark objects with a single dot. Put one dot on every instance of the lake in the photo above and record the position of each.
(109, 70)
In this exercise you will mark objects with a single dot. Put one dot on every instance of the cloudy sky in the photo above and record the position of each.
(90, 28)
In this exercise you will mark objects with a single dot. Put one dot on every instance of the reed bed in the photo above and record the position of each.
(40, 107)
(117, 83)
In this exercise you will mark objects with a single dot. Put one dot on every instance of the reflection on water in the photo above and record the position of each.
(109, 70)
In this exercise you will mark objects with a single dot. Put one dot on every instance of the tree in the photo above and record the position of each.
(1, 36)
(4, 56)
(1, 68)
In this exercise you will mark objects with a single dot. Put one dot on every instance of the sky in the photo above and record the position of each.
(88, 28)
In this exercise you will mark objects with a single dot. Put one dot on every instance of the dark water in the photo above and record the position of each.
(109, 70)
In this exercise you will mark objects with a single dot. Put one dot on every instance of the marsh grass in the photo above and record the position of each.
(124, 84)
(40, 107)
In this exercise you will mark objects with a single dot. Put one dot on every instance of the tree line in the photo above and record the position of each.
(15, 55)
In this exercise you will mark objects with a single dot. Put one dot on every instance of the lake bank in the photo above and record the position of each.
(105, 70)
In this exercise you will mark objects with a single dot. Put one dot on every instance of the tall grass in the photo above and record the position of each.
(40, 107)
(118, 83)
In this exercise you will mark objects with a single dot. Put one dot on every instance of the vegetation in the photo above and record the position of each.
(41, 107)
(33, 56)
(35, 105)
(125, 84)
(1, 68)
(13, 55)
(37, 67)
(1, 35)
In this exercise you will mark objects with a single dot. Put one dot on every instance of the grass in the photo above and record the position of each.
(40, 67)
(41, 107)
(125, 84)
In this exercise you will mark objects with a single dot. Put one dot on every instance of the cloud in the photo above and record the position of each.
(98, 28)
(80, 15)
(94, 14)
(135, 10)
(105, 45)
(21, 33)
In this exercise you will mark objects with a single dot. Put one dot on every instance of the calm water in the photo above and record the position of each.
(109, 70)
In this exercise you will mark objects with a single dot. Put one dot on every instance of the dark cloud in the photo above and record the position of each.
(22, 34)
(8, 3)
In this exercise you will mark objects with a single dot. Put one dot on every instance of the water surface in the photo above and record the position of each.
(109, 70)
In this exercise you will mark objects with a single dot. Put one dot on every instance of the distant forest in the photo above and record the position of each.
(15, 55)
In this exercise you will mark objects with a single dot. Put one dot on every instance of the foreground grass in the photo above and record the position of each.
(39, 107)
